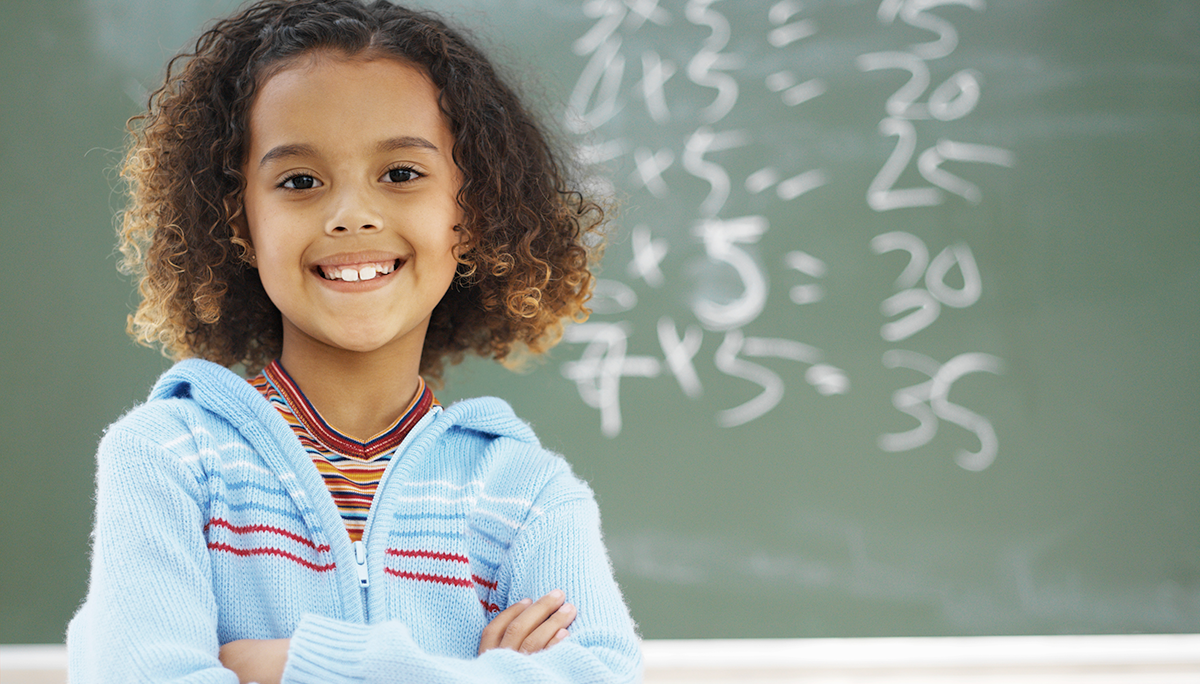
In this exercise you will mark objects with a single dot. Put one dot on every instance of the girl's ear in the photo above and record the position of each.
(464, 238)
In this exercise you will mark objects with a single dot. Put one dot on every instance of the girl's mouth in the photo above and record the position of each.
(352, 273)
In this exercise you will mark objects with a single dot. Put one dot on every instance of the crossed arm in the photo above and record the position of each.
(527, 626)
(150, 611)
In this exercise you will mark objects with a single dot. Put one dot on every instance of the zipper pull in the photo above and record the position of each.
(360, 559)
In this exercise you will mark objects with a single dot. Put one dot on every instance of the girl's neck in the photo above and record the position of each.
(358, 394)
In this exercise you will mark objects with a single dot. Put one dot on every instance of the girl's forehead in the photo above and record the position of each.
(342, 101)
(313, 61)
(316, 79)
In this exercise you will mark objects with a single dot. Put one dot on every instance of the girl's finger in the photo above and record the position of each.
(495, 629)
(547, 633)
(529, 620)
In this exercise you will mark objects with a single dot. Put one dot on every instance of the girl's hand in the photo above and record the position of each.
(528, 626)
(525, 626)
(256, 660)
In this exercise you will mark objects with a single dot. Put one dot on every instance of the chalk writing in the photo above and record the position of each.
(811, 266)
(929, 400)
(953, 99)
(604, 363)
(928, 301)
(648, 254)
(721, 239)
(669, 111)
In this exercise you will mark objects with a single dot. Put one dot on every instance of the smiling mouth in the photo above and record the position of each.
(352, 273)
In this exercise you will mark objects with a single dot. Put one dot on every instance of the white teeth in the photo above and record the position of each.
(351, 274)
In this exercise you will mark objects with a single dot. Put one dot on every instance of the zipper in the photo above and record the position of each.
(360, 547)
(360, 560)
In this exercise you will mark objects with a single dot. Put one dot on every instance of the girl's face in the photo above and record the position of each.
(350, 203)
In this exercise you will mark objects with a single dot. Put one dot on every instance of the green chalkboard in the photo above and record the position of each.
(897, 332)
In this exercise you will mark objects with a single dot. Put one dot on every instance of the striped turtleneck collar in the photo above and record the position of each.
(331, 437)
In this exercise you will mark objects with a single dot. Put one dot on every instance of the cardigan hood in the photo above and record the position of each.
(231, 397)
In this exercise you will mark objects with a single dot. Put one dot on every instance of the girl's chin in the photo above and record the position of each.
(389, 341)
(365, 345)
(354, 336)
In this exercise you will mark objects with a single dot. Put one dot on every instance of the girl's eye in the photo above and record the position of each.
(300, 182)
(402, 174)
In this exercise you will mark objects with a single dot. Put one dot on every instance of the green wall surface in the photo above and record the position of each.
(896, 333)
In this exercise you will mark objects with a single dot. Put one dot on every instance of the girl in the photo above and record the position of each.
(346, 197)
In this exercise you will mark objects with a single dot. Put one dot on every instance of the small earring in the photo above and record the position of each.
(247, 256)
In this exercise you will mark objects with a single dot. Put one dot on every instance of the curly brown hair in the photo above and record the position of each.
(530, 236)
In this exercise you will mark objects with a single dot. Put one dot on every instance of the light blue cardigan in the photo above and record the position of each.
(212, 524)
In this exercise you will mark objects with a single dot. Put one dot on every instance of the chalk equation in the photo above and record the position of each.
(955, 98)
(667, 111)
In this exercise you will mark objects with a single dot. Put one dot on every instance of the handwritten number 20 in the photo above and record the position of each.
(956, 97)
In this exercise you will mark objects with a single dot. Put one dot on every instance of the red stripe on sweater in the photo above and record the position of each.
(425, 577)
(481, 581)
(436, 555)
(246, 529)
(267, 551)
(490, 607)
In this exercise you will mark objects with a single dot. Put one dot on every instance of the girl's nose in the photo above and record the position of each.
(347, 229)
(353, 212)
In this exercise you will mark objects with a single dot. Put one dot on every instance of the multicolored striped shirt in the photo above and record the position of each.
(350, 469)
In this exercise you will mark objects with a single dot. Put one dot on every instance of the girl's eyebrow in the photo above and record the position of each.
(389, 145)
(403, 142)
(281, 151)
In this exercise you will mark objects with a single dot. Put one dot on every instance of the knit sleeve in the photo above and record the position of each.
(562, 548)
(150, 614)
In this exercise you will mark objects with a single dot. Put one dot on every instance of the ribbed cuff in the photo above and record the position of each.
(324, 651)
